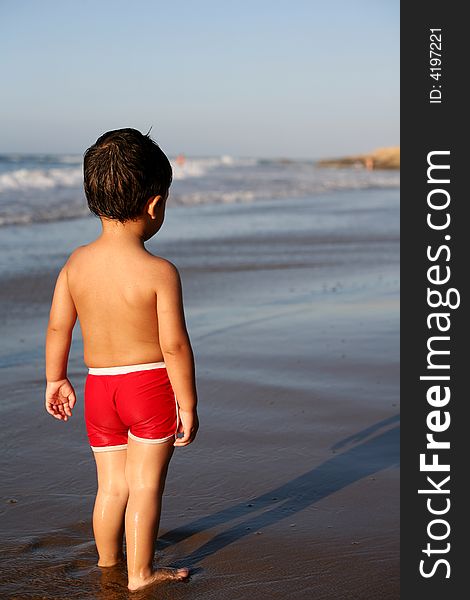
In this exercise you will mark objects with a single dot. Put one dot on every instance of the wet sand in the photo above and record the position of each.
(292, 486)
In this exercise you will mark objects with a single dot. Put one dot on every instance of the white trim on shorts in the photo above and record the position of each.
(123, 369)
(108, 448)
(150, 440)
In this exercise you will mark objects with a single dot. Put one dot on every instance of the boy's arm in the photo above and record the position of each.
(60, 395)
(176, 349)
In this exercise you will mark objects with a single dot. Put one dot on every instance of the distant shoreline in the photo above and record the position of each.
(382, 158)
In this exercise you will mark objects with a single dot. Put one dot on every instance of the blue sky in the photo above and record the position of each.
(279, 78)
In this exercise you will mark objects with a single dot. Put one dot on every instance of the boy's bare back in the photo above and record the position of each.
(115, 288)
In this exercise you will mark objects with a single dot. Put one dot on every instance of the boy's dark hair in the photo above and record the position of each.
(122, 170)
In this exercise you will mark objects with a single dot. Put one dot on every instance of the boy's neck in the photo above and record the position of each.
(130, 232)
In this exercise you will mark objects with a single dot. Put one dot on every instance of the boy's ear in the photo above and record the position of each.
(152, 206)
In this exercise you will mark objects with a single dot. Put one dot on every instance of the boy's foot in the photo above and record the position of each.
(158, 576)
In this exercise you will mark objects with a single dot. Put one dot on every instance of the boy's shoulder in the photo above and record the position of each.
(162, 267)
(157, 267)
(77, 254)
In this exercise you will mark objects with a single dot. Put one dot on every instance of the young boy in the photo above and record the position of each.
(140, 393)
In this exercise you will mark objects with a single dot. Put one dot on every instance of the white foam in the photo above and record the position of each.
(49, 194)
(41, 178)
(198, 167)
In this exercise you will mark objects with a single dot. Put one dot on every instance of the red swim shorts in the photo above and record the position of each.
(134, 400)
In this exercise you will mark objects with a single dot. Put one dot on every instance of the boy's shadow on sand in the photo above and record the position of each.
(370, 455)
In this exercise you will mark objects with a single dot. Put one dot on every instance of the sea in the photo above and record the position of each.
(47, 187)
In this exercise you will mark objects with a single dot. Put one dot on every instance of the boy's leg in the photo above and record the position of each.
(110, 505)
(146, 470)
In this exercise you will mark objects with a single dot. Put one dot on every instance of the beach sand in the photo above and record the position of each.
(292, 487)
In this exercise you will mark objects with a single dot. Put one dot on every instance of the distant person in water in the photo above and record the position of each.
(140, 392)
(180, 160)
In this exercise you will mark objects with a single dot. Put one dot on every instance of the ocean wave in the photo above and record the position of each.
(40, 178)
(280, 192)
(30, 192)
(187, 168)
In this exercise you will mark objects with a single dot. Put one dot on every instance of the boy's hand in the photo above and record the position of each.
(60, 399)
(188, 426)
